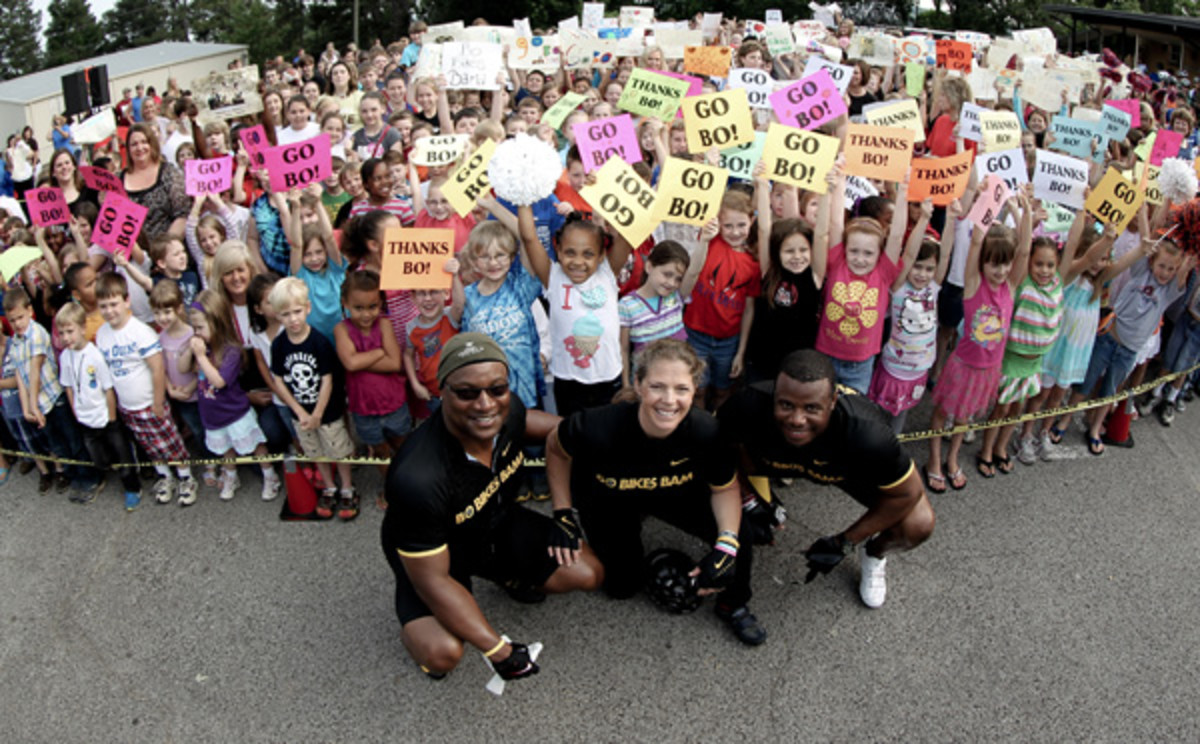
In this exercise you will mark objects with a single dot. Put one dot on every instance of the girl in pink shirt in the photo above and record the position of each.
(859, 271)
(968, 385)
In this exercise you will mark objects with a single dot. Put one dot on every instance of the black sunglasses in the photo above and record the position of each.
(471, 393)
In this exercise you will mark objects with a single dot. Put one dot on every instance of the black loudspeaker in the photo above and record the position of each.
(75, 93)
(98, 85)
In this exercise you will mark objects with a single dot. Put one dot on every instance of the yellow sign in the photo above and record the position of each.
(1148, 183)
(1114, 200)
(624, 199)
(799, 157)
(897, 114)
(415, 258)
(470, 180)
(882, 153)
(712, 61)
(1001, 131)
(720, 120)
(689, 192)
(442, 149)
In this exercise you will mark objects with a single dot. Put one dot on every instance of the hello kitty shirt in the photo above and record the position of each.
(585, 328)
(912, 348)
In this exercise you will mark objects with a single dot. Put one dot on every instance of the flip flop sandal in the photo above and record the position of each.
(986, 468)
(1003, 464)
(930, 480)
(1056, 435)
(958, 480)
(1095, 446)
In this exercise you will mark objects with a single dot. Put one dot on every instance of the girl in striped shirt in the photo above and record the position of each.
(1037, 314)
(655, 309)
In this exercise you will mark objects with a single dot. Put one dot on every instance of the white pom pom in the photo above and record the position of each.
(524, 170)
(1177, 180)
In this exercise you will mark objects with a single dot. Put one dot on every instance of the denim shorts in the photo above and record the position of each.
(375, 430)
(855, 375)
(1111, 363)
(717, 355)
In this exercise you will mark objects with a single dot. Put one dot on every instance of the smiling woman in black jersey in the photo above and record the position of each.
(655, 456)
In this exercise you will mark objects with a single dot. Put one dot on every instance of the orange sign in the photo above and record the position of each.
(878, 152)
(712, 61)
(954, 55)
(414, 258)
(941, 179)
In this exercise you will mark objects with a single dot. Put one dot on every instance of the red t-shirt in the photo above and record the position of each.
(633, 273)
(565, 193)
(940, 141)
(728, 278)
(460, 225)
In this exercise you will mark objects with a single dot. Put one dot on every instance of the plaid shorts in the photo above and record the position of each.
(158, 436)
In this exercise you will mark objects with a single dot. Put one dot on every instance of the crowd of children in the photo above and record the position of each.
(256, 322)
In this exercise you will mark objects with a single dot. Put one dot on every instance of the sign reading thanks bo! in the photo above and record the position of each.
(602, 139)
(415, 258)
(208, 176)
(624, 199)
(882, 153)
(1001, 131)
(798, 157)
(1114, 200)
(47, 206)
(470, 180)
(809, 102)
(648, 93)
(118, 224)
(690, 192)
(297, 165)
(718, 120)
(1060, 179)
(940, 179)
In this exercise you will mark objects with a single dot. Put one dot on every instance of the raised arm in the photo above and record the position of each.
(762, 205)
(895, 240)
(913, 246)
(946, 250)
(539, 260)
(1024, 237)
(699, 255)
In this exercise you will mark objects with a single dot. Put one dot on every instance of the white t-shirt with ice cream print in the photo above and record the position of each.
(585, 329)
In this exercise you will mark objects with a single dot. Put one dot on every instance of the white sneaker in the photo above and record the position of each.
(1046, 448)
(188, 487)
(164, 489)
(872, 584)
(969, 437)
(229, 486)
(1027, 450)
(271, 485)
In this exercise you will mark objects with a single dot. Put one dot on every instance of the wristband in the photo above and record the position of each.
(497, 647)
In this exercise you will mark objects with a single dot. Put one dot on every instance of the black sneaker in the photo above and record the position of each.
(45, 482)
(25, 467)
(61, 482)
(743, 624)
(523, 593)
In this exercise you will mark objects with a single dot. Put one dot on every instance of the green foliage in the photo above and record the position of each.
(20, 50)
(134, 23)
(72, 32)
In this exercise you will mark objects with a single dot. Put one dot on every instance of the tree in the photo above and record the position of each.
(20, 29)
(134, 23)
(73, 33)
(249, 22)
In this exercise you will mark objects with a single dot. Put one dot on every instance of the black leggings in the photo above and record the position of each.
(614, 530)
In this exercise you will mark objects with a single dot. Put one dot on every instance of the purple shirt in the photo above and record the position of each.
(220, 407)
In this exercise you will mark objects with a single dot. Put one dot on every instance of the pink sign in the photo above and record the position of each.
(1130, 106)
(695, 85)
(809, 102)
(209, 176)
(602, 139)
(118, 225)
(101, 179)
(297, 165)
(991, 200)
(254, 139)
(1166, 145)
(47, 207)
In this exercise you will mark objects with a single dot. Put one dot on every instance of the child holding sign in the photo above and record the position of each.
(317, 261)
(860, 270)
(585, 353)
(969, 381)
(721, 312)
(903, 370)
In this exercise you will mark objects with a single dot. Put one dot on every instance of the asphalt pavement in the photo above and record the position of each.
(1054, 604)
